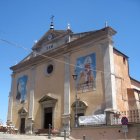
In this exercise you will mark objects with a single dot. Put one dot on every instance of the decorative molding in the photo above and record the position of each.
(23, 112)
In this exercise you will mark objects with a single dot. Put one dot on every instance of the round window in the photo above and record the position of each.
(50, 69)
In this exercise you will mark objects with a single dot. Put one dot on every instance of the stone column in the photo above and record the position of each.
(31, 103)
(10, 103)
(66, 115)
(109, 77)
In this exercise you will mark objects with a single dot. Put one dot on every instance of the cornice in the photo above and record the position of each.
(116, 50)
(99, 34)
(132, 79)
(63, 49)
(51, 55)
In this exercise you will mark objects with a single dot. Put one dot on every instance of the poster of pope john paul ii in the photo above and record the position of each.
(22, 88)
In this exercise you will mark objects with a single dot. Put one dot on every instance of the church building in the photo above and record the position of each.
(68, 76)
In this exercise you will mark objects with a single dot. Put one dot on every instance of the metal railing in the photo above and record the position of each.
(132, 115)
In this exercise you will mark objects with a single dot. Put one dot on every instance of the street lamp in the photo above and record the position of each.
(76, 117)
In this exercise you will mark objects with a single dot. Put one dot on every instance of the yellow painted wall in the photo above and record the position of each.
(16, 104)
(54, 85)
(122, 81)
(95, 99)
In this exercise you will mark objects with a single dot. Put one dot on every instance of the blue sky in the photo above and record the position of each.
(24, 21)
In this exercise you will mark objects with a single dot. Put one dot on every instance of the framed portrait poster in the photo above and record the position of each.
(22, 88)
(86, 72)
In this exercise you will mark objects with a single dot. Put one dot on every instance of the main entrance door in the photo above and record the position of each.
(47, 117)
(22, 126)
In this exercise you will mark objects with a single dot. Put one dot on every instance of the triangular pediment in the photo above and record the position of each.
(22, 111)
(47, 98)
(50, 36)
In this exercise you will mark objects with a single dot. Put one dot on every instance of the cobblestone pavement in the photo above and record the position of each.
(31, 137)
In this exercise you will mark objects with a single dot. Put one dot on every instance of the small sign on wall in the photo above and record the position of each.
(124, 121)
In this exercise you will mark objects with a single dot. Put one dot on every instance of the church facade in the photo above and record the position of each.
(44, 92)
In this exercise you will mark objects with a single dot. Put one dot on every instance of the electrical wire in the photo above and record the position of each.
(13, 44)
(51, 58)
(57, 60)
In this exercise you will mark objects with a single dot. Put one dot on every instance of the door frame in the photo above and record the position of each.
(44, 105)
(48, 113)
(48, 100)
(22, 114)
(21, 125)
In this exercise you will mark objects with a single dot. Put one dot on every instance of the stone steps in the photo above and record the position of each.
(29, 137)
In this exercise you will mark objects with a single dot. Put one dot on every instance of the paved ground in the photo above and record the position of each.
(27, 137)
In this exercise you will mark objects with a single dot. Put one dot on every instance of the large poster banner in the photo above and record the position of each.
(22, 88)
(92, 120)
(86, 71)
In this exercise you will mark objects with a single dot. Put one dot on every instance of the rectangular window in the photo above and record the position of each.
(124, 60)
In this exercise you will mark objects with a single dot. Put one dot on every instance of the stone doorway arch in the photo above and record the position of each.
(23, 114)
(81, 108)
(47, 103)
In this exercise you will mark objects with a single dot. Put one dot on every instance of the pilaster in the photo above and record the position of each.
(31, 102)
(10, 103)
(109, 77)
(66, 115)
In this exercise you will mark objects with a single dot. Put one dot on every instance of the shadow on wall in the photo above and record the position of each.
(100, 110)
